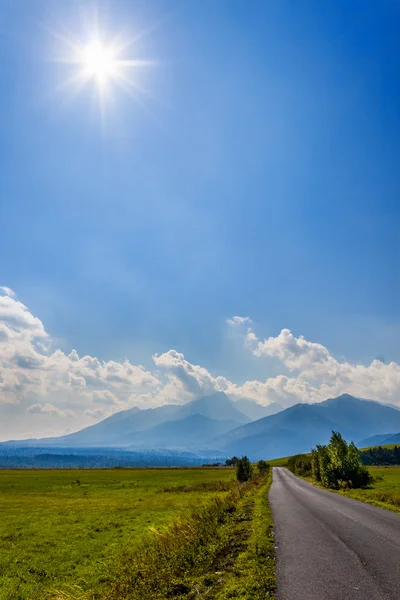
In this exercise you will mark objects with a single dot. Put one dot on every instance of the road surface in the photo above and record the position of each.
(329, 547)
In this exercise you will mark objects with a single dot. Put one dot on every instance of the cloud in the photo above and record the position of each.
(48, 409)
(104, 397)
(193, 379)
(7, 291)
(38, 379)
(313, 365)
(31, 369)
(235, 321)
(96, 413)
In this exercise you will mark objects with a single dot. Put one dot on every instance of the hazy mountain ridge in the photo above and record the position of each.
(215, 424)
(300, 427)
(196, 423)
(380, 440)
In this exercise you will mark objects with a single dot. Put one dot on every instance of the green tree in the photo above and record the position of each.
(244, 469)
(339, 464)
(300, 464)
(231, 462)
(316, 475)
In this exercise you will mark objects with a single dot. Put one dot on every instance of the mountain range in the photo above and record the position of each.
(188, 426)
(298, 428)
(215, 425)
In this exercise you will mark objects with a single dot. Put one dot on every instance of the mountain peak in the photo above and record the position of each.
(343, 399)
(346, 398)
(216, 406)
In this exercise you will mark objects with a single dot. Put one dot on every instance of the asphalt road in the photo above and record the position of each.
(330, 547)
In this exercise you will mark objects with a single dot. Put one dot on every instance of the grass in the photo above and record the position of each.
(60, 528)
(279, 462)
(223, 551)
(253, 575)
(385, 490)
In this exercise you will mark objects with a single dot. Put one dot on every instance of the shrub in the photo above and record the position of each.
(244, 469)
(300, 464)
(263, 467)
(338, 465)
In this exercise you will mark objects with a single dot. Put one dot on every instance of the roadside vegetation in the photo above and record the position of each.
(335, 466)
(381, 485)
(384, 490)
(222, 551)
(381, 456)
(136, 533)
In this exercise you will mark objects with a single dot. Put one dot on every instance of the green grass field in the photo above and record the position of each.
(385, 490)
(65, 528)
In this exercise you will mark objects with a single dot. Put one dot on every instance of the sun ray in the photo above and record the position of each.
(102, 62)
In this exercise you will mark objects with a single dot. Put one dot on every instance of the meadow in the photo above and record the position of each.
(384, 491)
(65, 529)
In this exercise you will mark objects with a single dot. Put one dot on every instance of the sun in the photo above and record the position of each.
(99, 62)
(104, 62)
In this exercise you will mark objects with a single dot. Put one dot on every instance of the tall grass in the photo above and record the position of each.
(253, 575)
(221, 551)
(166, 562)
(202, 486)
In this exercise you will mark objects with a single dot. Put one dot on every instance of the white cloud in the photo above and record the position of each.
(234, 321)
(73, 356)
(192, 379)
(96, 413)
(48, 409)
(313, 365)
(295, 353)
(37, 379)
(7, 291)
(31, 369)
(104, 397)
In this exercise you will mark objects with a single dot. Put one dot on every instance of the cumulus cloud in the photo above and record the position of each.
(7, 291)
(234, 321)
(320, 375)
(31, 368)
(192, 379)
(41, 380)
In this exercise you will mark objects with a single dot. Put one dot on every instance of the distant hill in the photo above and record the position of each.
(380, 440)
(299, 428)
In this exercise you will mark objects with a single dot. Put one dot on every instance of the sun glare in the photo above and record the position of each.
(103, 62)
(99, 62)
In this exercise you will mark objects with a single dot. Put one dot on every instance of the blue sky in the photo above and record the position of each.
(258, 175)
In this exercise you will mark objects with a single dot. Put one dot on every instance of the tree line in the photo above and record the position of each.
(381, 456)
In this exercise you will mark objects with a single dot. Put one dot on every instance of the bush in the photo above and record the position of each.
(231, 462)
(300, 464)
(244, 469)
(338, 465)
(263, 467)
